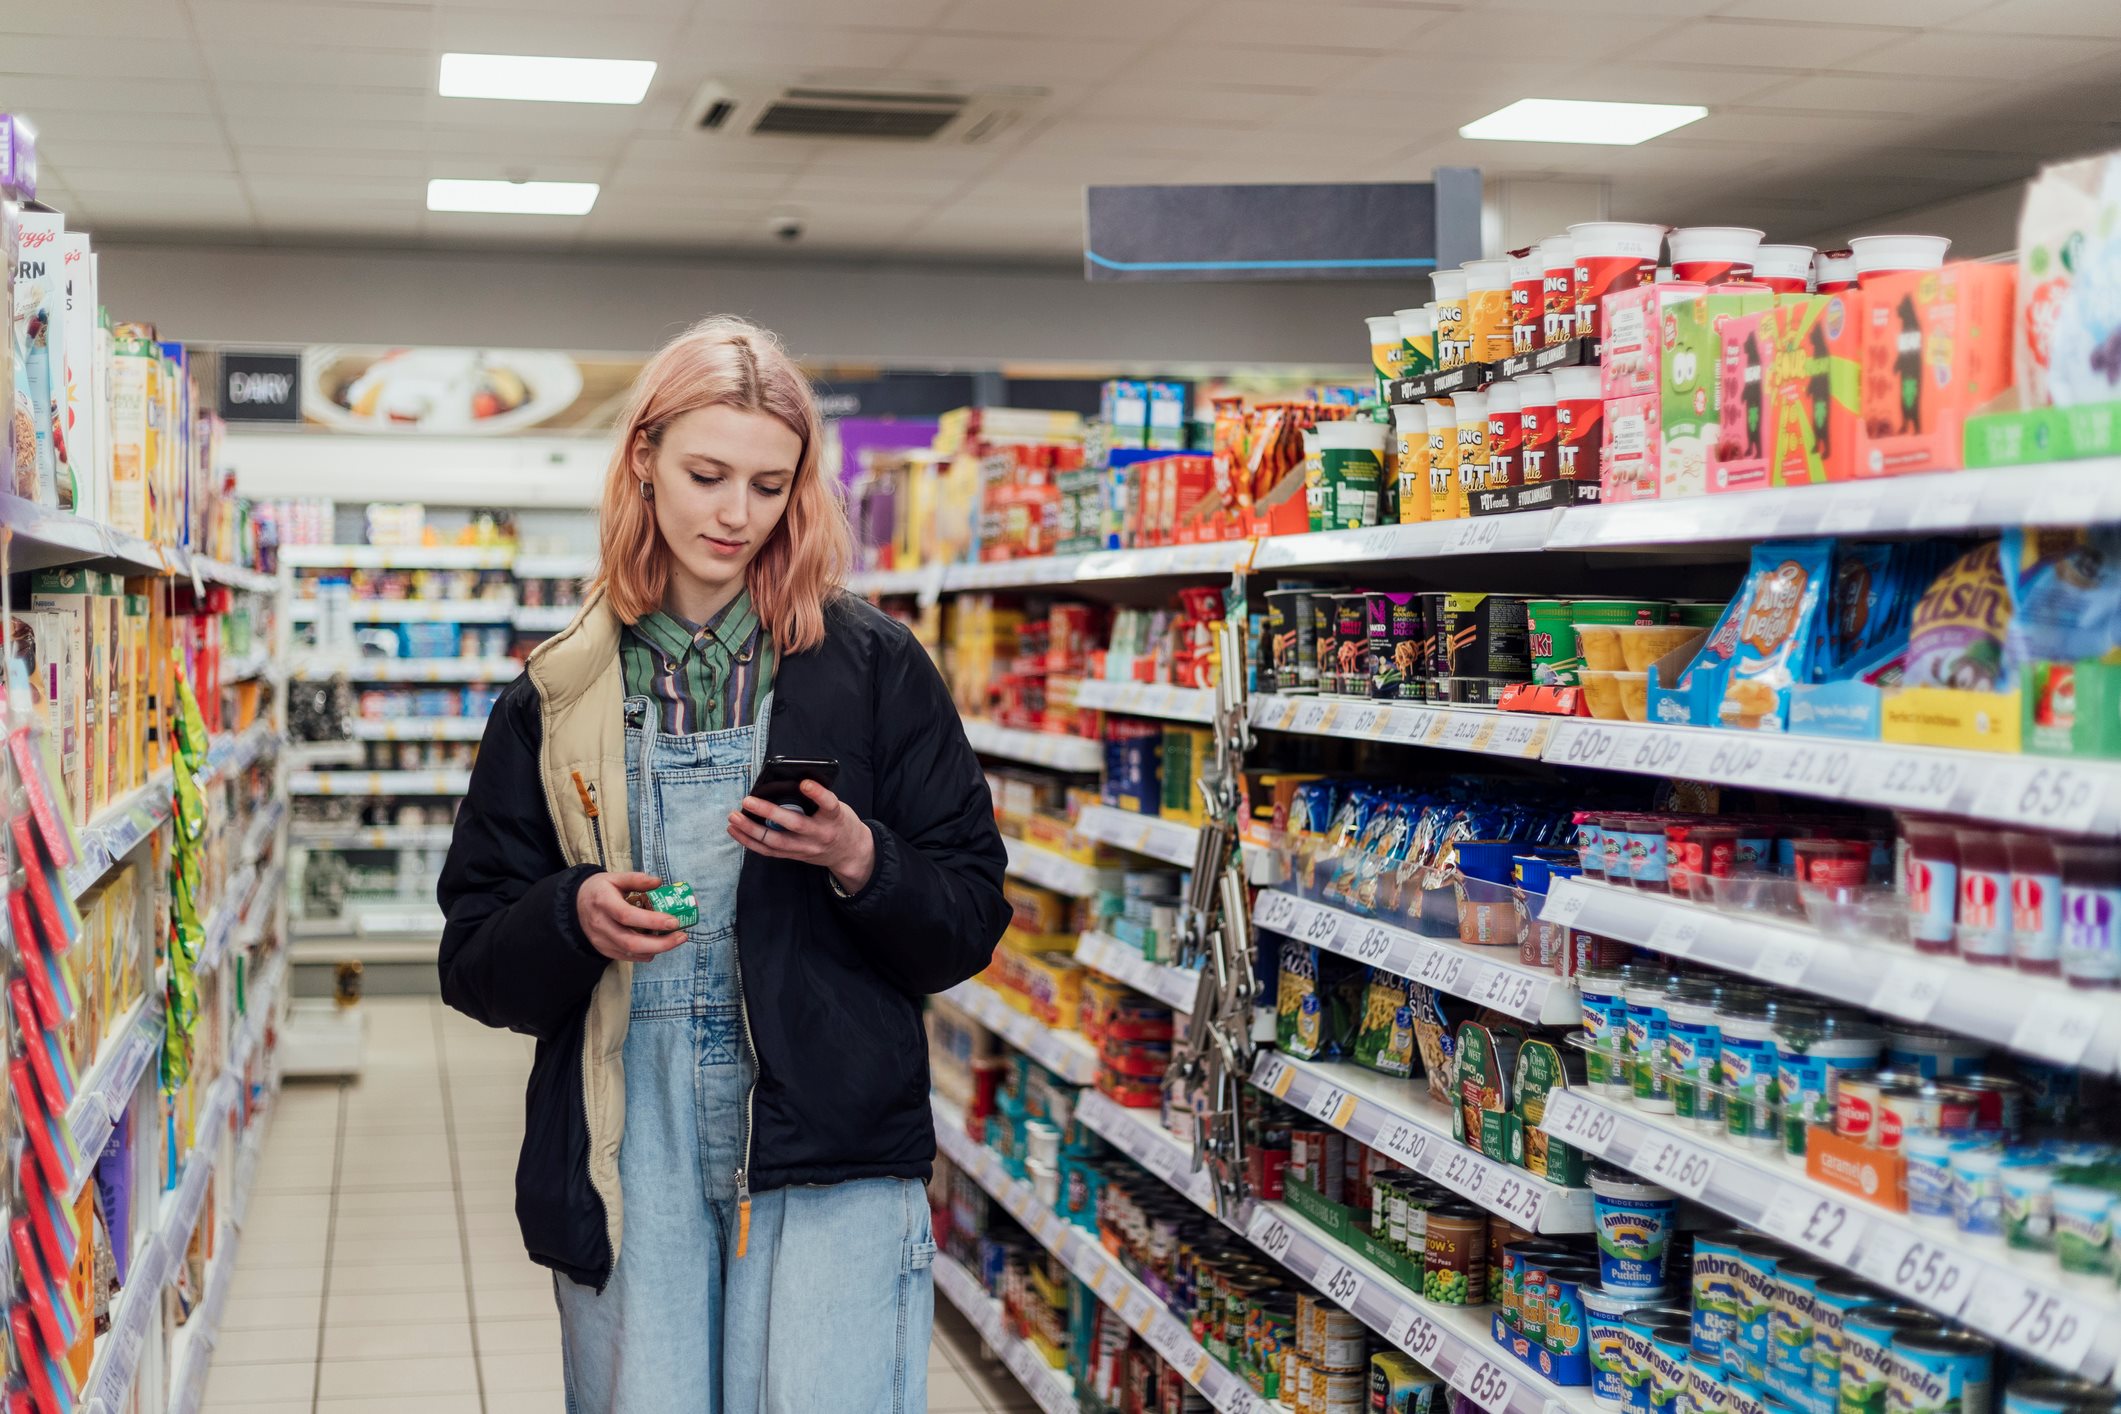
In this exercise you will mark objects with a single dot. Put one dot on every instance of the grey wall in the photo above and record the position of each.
(908, 315)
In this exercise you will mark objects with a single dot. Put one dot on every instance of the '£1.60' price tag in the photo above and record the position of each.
(1676, 1164)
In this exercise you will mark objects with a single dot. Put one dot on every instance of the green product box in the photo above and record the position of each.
(2016, 438)
(1690, 391)
(2073, 709)
(1345, 1226)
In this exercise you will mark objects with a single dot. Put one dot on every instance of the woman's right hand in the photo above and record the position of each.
(615, 927)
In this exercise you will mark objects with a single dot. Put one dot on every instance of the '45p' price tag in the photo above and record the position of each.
(1339, 1283)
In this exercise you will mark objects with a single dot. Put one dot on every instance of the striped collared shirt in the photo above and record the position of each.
(700, 677)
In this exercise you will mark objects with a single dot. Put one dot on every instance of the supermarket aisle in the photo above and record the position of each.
(380, 1267)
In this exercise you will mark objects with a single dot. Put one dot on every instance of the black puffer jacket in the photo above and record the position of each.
(832, 986)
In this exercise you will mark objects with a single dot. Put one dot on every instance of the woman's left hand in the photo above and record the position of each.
(835, 838)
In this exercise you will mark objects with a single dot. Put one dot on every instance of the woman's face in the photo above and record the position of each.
(721, 477)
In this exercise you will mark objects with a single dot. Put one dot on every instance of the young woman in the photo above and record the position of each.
(727, 1128)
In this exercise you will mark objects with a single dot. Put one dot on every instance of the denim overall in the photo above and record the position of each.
(830, 1304)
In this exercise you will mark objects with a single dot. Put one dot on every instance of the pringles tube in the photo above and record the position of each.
(1896, 255)
(1410, 433)
(1443, 456)
(1505, 437)
(1536, 454)
(1471, 416)
(1417, 341)
(1579, 423)
(1836, 272)
(1610, 256)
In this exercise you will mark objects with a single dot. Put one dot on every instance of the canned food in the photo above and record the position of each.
(1454, 1257)
(1746, 1352)
(1835, 1296)
(1791, 1322)
(1338, 1338)
(1868, 1335)
(1604, 1313)
(2031, 1394)
(1669, 1360)
(1940, 1372)
(1716, 1300)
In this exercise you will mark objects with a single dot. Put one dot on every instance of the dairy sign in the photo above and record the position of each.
(261, 387)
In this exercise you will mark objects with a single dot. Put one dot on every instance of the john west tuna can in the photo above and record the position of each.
(1940, 1372)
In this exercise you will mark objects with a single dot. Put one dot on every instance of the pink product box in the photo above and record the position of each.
(1628, 466)
(18, 158)
(1636, 336)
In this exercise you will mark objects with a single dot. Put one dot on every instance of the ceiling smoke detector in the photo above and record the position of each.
(836, 110)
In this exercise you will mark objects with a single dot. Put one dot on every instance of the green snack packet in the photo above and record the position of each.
(677, 901)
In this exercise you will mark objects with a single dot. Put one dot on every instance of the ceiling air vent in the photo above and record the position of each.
(815, 110)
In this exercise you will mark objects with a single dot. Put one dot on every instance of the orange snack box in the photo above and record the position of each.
(1936, 347)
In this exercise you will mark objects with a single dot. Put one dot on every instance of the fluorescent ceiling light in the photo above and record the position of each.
(1571, 120)
(527, 76)
(511, 198)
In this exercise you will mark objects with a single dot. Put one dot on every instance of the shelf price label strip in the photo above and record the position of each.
(1048, 1387)
(1175, 987)
(2068, 1329)
(1482, 1374)
(2043, 1018)
(1523, 992)
(1418, 1142)
(1074, 1063)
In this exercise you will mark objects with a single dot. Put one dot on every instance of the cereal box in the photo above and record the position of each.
(1936, 347)
(1812, 384)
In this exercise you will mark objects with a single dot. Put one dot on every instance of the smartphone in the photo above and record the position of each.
(780, 782)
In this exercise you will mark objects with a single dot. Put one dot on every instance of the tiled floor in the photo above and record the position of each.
(380, 1268)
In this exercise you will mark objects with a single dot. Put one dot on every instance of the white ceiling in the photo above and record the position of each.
(308, 121)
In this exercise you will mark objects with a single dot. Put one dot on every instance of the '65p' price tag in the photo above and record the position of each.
(1484, 1382)
(1935, 1275)
(1420, 1337)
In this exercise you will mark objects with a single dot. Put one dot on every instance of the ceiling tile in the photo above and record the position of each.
(59, 130)
(2098, 18)
(1758, 44)
(1798, 129)
(334, 65)
(304, 163)
(1277, 68)
(77, 157)
(987, 61)
(1138, 21)
(97, 19)
(325, 138)
(1273, 22)
(1234, 108)
(100, 60)
(1984, 57)
(1625, 82)
(312, 103)
(819, 15)
(763, 53)
(321, 24)
(1914, 13)
(1872, 93)
(146, 185)
(41, 92)
(587, 35)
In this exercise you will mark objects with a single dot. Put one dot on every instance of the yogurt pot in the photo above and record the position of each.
(1813, 1049)
(1930, 1053)
(1714, 255)
(2084, 1233)
(1977, 1192)
(1648, 995)
(1693, 1038)
(1785, 269)
(1929, 1175)
(1557, 266)
(1834, 271)
(1610, 256)
(1895, 255)
(2029, 1206)
(1451, 339)
(1603, 1312)
(1605, 1022)
(1746, 1060)
(1634, 1222)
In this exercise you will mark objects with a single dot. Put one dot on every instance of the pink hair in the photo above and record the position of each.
(728, 362)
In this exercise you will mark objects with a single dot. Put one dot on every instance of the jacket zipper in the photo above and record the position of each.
(743, 1173)
(587, 792)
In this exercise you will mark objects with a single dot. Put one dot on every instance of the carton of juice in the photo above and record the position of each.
(1689, 383)
(1739, 460)
(1811, 391)
(1633, 442)
(1936, 347)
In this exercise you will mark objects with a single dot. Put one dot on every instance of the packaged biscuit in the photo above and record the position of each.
(1384, 1041)
(1435, 1035)
(1778, 633)
(1960, 625)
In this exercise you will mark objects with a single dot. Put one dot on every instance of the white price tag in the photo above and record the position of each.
(1473, 535)
(1785, 958)
(1273, 1075)
(1509, 990)
(1676, 1164)
(1815, 767)
(1403, 1141)
(1339, 1283)
(1366, 721)
(1410, 725)
(1463, 1171)
(1485, 1383)
(2058, 1327)
(1907, 780)
(1170, 1339)
(1440, 968)
(1466, 731)
(1275, 912)
(1519, 1197)
(1920, 1270)
(1372, 944)
(1420, 1337)
(1310, 715)
(1848, 511)
(1940, 508)
(1322, 926)
(1676, 932)
(1580, 744)
(1565, 905)
(1332, 1104)
(1518, 736)
(1827, 1227)
(1578, 1121)
(2054, 796)
(2060, 1029)
(1273, 1237)
(1738, 758)
(1652, 753)
(1163, 1160)
(1909, 990)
